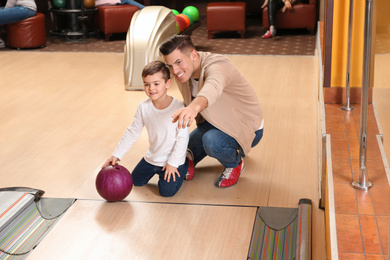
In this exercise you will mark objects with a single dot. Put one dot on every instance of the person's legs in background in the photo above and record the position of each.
(273, 5)
(132, 2)
(13, 15)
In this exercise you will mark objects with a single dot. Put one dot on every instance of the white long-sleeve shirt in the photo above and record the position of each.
(26, 3)
(167, 143)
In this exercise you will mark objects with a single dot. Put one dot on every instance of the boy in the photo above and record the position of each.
(166, 155)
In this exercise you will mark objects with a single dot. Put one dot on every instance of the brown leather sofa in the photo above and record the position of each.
(116, 18)
(27, 33)
(303, 15)
(226, 16)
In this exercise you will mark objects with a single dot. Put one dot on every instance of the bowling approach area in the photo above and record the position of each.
(63, 118)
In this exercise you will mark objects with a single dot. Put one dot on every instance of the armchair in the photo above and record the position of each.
(303, 15)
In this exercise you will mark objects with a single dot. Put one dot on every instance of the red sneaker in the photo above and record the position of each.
(269, 34)
(230, 176)
(191, 168)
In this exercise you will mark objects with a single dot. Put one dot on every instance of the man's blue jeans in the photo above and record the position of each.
(15, 14)
(144, 171)
(208, 140)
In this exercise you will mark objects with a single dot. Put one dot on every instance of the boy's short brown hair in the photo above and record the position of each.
(155, 67)
(181, 42)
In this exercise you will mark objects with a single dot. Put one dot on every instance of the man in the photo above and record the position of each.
(227, 112)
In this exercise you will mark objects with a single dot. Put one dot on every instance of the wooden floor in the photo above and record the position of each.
(362, 217)
(63, 114)
(382, 97)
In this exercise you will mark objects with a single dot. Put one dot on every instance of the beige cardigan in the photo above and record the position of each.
(233, 106)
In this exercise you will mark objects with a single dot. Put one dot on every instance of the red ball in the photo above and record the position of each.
(114, 183)
(181, 22)
(188, 22)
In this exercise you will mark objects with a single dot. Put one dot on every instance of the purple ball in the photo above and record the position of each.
(114, 183)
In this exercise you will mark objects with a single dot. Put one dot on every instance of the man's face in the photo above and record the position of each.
(181, 65)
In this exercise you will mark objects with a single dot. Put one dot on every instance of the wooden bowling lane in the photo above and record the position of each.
(64, 117)
(281, 169)
(61, 120)
(130, 230)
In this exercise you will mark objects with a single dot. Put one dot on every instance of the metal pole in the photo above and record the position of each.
(83, 18)
(363, 183)
(347, 105)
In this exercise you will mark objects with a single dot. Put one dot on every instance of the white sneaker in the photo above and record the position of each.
(2, 43)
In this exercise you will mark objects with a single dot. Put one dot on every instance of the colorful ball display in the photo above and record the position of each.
(193, 12)
(114, 183)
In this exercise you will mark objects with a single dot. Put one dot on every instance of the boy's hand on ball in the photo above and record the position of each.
(111, 161)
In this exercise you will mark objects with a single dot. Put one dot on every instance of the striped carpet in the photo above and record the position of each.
(22, 226)
(282, 233)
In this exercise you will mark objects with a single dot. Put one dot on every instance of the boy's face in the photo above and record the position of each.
(182, 66)
(155, 86)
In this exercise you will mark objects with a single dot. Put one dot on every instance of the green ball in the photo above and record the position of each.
(175, 12)
(177, 28)
(59, 3)
(192, 12)
(190, 18)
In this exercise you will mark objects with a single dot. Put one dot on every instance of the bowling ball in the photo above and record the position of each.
(189, 18)
(181, 22)
(175, 12)
(114, 183)
(59, 3)
(177, 29)
(188, 23)
(193, 12)
(89, 3)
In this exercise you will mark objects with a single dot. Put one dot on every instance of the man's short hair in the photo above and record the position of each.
(155, 67)
(180, 42)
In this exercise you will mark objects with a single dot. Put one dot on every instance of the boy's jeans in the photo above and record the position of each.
(144, 171)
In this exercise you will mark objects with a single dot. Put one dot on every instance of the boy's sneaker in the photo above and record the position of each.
(230, 176)
(2, 44)
(191, 168)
